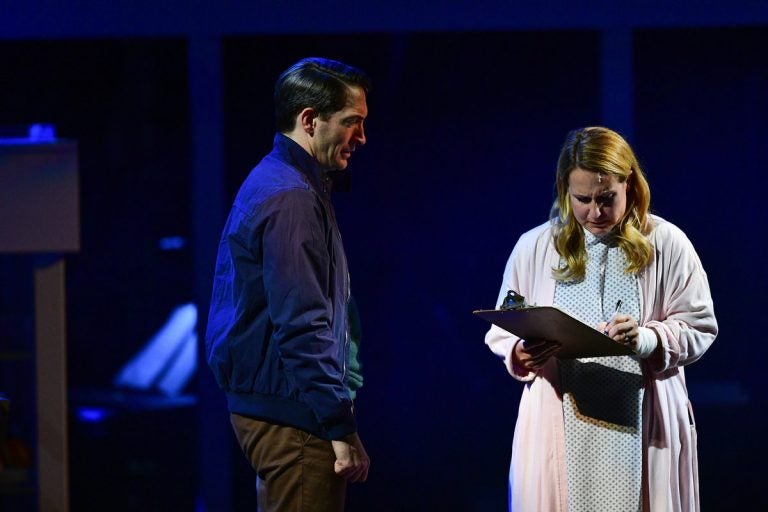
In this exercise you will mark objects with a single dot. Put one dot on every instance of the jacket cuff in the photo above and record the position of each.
(341, 426)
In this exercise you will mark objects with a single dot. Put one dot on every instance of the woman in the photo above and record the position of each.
(609, 433)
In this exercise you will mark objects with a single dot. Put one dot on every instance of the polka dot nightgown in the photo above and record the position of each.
(602, 397)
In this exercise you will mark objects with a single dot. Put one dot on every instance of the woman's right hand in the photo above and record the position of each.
(533, 354)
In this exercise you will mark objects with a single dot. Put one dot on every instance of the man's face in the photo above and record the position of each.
(336, 137)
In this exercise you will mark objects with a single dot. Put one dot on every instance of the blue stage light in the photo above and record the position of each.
(91, 414)
(168, 360)
(172, 243)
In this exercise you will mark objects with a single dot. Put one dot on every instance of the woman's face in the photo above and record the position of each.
(598, 200)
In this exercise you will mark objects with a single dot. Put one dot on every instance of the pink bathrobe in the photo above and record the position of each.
(676, 303)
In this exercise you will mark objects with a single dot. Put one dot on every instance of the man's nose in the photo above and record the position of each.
(360, 135)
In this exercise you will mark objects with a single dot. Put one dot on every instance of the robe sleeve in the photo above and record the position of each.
(682, 313)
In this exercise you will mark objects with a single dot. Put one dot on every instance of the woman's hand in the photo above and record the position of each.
(533, 354)
(621, 329)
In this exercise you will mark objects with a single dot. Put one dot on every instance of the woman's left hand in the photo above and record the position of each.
(622, 329)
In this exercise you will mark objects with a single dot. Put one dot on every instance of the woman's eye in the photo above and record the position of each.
(606, 201)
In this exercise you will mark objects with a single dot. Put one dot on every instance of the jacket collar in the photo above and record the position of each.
(296, 156)
(320, 179)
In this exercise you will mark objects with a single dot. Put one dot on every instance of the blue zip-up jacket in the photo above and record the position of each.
(278, 331)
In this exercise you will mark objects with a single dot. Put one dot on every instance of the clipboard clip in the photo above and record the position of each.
(513, 300)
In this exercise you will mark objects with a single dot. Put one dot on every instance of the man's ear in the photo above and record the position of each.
(307, 120)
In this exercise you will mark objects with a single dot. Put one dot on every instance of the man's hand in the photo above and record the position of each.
(352, 461)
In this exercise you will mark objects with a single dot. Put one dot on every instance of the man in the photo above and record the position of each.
(278, 337)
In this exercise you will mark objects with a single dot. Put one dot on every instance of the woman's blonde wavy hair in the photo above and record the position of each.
(600, 150)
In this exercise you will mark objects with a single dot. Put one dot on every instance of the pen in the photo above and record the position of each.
(615, 310)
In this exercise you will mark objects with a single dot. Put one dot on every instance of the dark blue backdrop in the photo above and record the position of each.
(463, 135)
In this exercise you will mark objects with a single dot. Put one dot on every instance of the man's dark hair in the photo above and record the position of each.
(316, 83)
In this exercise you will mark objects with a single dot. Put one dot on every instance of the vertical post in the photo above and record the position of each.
(617, 80)
(51, 378)
(208, 211)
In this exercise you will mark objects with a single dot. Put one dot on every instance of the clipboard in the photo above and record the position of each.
(549, 323)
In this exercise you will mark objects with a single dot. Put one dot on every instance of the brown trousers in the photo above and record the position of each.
(294, 469)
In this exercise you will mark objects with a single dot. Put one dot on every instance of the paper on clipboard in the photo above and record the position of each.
(549, 323)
